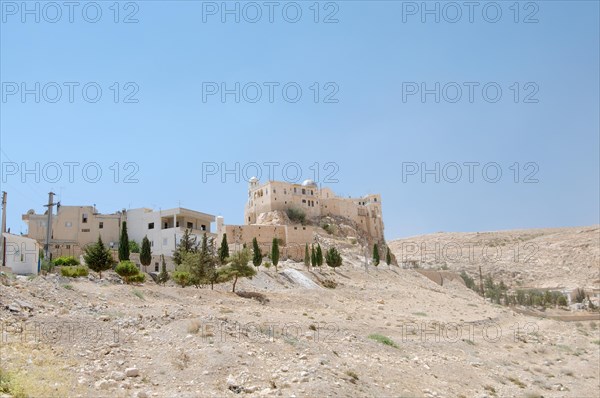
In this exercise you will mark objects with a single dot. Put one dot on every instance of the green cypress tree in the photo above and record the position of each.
(313, 256)
(319, 255)
(388, 257)
(333, 258)
(223, 250)
(146, 253)
(275, 253)
(306, 257)
(375, 255)
(204, 248)
(124, 244)
(163, 277)
(256, 253)
(98, 257)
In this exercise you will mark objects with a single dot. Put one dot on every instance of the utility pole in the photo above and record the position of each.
(50, 205)
(3, 240)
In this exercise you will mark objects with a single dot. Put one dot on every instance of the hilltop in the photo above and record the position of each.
(541, 258)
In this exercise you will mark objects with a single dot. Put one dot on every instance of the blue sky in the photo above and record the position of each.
(375, 52)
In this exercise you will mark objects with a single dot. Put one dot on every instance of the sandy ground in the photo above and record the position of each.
(94, 338)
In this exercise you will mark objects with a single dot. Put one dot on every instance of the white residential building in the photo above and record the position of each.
(22, 254)
(164, 228)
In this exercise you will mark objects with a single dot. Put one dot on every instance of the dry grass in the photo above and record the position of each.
(36, 370)
(261, 298)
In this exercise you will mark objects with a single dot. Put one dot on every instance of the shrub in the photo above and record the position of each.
(138, 278)
(138, 294)
(261, 298)
(182, 278)
(383, 340)
(47, 266)
(65, 260)
(329, 284)
(74, 272)
(562, 301)
(333, 258)
(579, 295)
(296, 215)
(126, 269)
(469, 282)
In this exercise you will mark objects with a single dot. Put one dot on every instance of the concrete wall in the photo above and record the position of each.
(22, 254)
(293, 238)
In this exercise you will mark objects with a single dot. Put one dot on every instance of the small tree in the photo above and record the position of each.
(388, 256)
(306, 257)
(146, 253)
(163, 277)
(124, 243)
(333, 258)
(238, 268)
(275, 253)
(319, 256)
(223, 250)
(134, 247)
(98, 257)
(579, 295)
(126, 269)
(256, 253)
(375, 255)
(181, 278)
(187, 244)
(313, 256)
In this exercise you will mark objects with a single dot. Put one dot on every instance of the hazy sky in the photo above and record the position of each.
(517, 92)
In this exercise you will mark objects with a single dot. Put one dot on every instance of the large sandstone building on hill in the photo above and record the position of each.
(315, 202)
(268, 203)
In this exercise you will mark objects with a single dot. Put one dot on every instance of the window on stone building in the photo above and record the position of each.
(84, 218)
(190, 225)
(85, 230)
(203, 227)
(151, 225)
(303, 191)
(100, 225)
(156, 267)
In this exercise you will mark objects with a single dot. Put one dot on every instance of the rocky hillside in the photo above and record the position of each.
(544, 258)
(385, 332)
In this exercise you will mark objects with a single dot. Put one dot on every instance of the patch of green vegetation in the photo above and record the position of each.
(74, 271)
(597, 342)
(68, 286)
(138, 294)
(353, 376)
(383, 340)
(517, 382)
(9, 386)
(419, 313)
